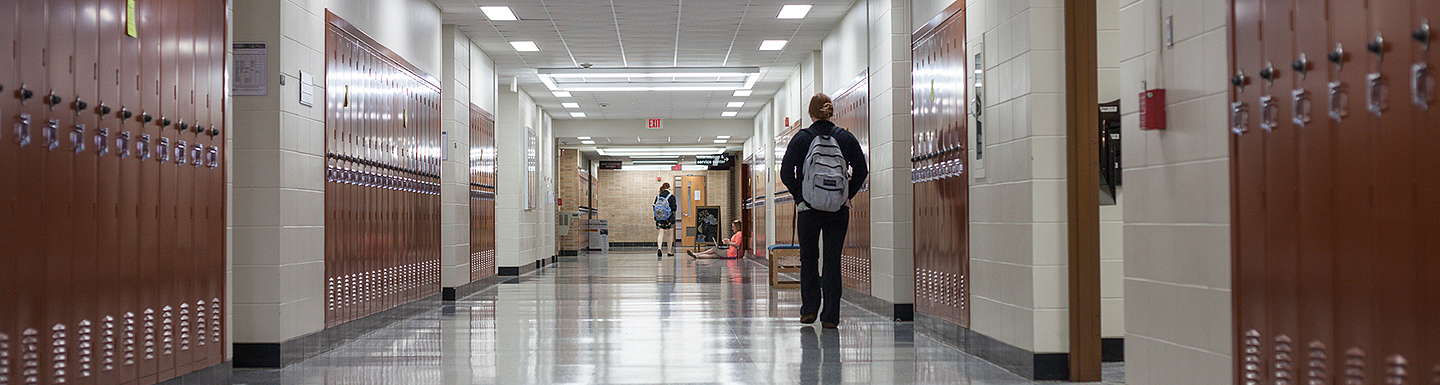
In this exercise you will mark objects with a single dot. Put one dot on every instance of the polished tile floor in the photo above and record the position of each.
(626, 318)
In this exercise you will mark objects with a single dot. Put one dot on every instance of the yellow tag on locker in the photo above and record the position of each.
(131, 27)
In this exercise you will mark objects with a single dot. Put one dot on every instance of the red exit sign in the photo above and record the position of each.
(655, 124)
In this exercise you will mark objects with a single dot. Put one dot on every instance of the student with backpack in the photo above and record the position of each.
(664, 209)
(823, 168)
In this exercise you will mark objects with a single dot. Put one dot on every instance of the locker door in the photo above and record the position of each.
(109, 148)
(1394, 249)
(9, 190)
(191, 321)
(88, 143)
(30, 320)
(218, 165)
(1247, 192)
(57, 199)
(155, 151)
(130, 152)
(1316, 138)
(1281, 193)
(169, 186)
(182, 92)
(1426, 14)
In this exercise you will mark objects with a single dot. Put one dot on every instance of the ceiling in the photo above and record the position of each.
(646, 33)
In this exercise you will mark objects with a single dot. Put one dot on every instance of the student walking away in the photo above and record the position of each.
(664, 208)
(734, 243)
(823, 168)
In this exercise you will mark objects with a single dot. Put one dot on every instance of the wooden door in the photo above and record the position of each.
(690, 193)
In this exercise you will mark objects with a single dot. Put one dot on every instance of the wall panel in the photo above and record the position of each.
(940, 176)
(382, 178)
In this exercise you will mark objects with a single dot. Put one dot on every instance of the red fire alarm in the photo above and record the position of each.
(787, 121)
(1152, 110)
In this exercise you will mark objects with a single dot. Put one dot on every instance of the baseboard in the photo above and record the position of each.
(282, 354)
(569, 253)
(900, 312)
(462, 291)
(1027, 364)
(1112, 350)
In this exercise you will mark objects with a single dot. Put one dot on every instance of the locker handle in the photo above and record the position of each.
(197, 155)
(212, 157)
(1420, 85)
(122, 143)
(1267, 113)
(143, 147)
(199, 129)
(1239, 80)
(214, 132)
(1301, 114)
(146, 118)
(1339, 99)
(182, 126)
(102, 141)
(24, 93)
(1377, 47)
(162, 150)
(1337, 56)
(80, 105)
(1422, 34)
(125, 113)
(53, 99)
(104, 109)
(1301, 65)
(164, 122)
(22, 130)
(77, 138)
(1376, 93)
(51, 133)
(180, 151)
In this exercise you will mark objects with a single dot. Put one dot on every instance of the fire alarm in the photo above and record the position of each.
(1152, 109)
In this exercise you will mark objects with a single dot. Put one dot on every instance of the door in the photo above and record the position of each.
(690, 193)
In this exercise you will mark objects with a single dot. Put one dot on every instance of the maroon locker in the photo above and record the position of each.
(131, 151)
(182, 237)
(1248, 173)
(1427, 168)
(85, 150)
(1316, 164)
(1395, 255)
(156, 153)
(9, 160)
(30, 324)
(852, 112)
(57, 196)
(191, 313)
(168, 187)
(218, 103)
(110, 149)
(1281, 192)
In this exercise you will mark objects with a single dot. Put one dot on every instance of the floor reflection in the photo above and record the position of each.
(626, 318)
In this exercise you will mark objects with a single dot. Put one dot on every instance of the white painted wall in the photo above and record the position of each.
(1112, 221)
(524, 236)
(483, 86)
(1177, 212)
(278, 182)
(455, 170)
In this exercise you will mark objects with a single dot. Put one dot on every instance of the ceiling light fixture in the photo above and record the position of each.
(773, 45)
(649, 79)
(793, 11)
(570, 105)
(721, 141)
(587, 142)
(503, 13)
(729, 113)
(723, 137)
(743, 93)
(735, 104)
(527, 46)
(577, 114)
(561, 94)
(582, 137)
(656, 152)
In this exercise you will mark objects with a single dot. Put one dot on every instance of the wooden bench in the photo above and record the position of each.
(784, 259)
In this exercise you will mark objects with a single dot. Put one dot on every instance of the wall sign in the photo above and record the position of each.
(655, 124)
(251, 69)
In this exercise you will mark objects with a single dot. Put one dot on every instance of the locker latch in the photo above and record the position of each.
(146, 118)
(102, 141)
(1420, 85)
(51, 134)
(1268, 73)
(22, 130)
(104, 109)
(77, 138)
(80, 106)
(1339, 101)
(1301, 114)
(180, 149)
(122, 144)
(162, 150)
(1239, 114)
(125, 113)
(197, 155)
(1338, 57)
(212, 157)
(199, 129)
(1267, 113)
(1301, 65)
(1377, 47)
(1375, 93)
(53, 100)
(182, 126)
(24, 94)
(142, 147)
(1422, 34)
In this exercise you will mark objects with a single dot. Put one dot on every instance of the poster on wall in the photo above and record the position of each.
(532, 170)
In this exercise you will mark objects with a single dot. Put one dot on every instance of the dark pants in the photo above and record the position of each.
(810, 225)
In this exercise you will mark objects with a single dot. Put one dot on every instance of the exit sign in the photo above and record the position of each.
(655, 124)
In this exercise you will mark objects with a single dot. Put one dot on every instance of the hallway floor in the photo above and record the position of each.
(626, 318)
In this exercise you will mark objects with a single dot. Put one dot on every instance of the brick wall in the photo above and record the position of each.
(573, 187)
(624, 198)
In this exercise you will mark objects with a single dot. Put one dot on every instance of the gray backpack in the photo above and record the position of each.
(826, 179)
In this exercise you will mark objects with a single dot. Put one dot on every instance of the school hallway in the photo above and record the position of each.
(626, 318)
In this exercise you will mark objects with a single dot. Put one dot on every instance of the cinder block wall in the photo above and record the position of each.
(625, 198)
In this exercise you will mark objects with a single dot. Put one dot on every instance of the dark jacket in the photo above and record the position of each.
(673, 205)
(794, 162)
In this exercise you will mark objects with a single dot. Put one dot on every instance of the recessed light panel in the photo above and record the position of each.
(721, 141)
(723, 137)
(743, 93)
(587, 142)
(729, 113)
(582, 137)
(577, 114)
(561, 94)
(793, 11)
(529, 46)
(768, 45)
(503, 13)
(735, 104)
(570, 105)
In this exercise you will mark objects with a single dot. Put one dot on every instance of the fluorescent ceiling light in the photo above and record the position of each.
(561, 94)
(529, 46)
(582, 137)
(729, 113)
(503, 13)
(659, 151)
(723, 137)
(587, 142)
(771, 45)
(735, 104)
(721, 141)
(743, 93)
(577, 114)
(649, 78)
(571, 105)
(793, 11)
(649, 72)
(654, 88)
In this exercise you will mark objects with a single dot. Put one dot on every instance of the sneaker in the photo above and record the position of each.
(830, 325)
(807, 318)
(692, 253)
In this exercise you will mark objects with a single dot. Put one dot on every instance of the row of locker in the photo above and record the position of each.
(1334, 192)
(852, 111)
(482, 193)
(939, 178)
(112, 187)
(382, 196)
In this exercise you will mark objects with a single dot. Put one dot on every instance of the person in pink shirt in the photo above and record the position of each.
(734, 242)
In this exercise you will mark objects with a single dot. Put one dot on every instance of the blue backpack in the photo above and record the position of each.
(662, 207)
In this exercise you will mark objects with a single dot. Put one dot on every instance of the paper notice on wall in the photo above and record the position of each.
(251, 69)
